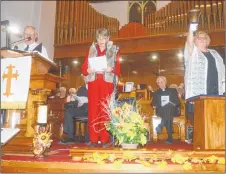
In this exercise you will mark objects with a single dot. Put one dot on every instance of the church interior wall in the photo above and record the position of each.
(41, 15)
(47, 25)
(20, 14)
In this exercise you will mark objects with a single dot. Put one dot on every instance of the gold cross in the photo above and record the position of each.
(9, 77)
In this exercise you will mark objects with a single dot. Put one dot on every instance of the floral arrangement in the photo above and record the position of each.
(125, 124)
(42, 140)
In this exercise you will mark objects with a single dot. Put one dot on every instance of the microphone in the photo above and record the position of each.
(28, 39)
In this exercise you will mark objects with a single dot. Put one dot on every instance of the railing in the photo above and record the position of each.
(173, 17)
(77, 21)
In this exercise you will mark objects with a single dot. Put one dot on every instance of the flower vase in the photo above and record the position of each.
(129, 146)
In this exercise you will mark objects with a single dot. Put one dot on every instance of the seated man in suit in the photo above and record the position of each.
(165, 101)
(31, 44)
(78, 107)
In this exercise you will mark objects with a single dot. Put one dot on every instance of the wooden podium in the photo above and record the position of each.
(209, 122)
(41, 84)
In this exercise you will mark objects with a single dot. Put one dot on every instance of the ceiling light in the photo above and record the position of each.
(180, 55)
(134, 72)
(154, 57)
(120, 59)
(75, 62)
(13, 29)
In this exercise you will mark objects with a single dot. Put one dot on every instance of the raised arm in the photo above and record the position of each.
(190, 38)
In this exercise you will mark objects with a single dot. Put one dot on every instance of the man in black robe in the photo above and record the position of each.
(166, 102)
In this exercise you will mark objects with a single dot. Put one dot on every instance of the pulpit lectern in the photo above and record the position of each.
(41, 84)
(209, 122)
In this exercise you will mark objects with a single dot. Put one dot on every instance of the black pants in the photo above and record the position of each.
(169, 127)
(69, 114)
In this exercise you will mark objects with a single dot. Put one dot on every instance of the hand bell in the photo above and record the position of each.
(194, 15)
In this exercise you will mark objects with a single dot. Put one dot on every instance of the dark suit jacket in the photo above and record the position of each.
(83, 92)
(169, 110)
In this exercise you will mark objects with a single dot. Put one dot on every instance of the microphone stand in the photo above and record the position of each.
(28, 38)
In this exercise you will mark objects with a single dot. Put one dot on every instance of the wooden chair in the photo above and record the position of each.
(83, 120)
(179, 122)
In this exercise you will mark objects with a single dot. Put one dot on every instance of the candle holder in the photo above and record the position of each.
(42, 140)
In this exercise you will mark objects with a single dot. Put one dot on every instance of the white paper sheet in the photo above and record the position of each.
(8, 133)
(98, 63)
(128, 86)
(164, 100)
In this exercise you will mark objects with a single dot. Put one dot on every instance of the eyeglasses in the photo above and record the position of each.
(102, 38)
(27, 34)
(201, 38)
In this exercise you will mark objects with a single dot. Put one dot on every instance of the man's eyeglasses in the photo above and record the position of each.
(27, 34)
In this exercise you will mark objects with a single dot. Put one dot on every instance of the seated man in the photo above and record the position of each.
(166, 101)
(79, 107)
(62, 92)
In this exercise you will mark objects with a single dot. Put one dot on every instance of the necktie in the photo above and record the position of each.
(26, 49)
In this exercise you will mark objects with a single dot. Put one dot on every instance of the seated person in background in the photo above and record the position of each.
(78, 108)
(151, 91)
(173, 86)
(71, 97)
(165, 101)
(180, 91)
(31, 44)
(62, 92)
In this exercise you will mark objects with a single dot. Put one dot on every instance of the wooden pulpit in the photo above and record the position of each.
(209, 122)
(41, 84)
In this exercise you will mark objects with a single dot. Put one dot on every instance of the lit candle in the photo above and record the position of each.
(42, 114)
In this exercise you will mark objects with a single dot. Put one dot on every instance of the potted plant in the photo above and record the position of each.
(125, 124)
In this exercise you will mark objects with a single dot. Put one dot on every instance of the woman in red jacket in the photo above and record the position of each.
(100, 85)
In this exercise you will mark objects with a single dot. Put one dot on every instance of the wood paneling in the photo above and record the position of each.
(56, 118)
(209, 122)
(132, 29)
(18, 144)
(138, 67)
(137, 45)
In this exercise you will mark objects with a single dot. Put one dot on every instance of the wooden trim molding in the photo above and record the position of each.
(138, 44)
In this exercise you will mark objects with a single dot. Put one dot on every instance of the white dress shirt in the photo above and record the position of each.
(35, 44)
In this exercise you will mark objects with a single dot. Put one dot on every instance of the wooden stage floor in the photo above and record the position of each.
(153, 158)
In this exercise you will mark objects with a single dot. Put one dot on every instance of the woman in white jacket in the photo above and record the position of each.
(204, 68)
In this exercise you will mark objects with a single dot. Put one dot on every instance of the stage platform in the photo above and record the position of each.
(154, 157)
